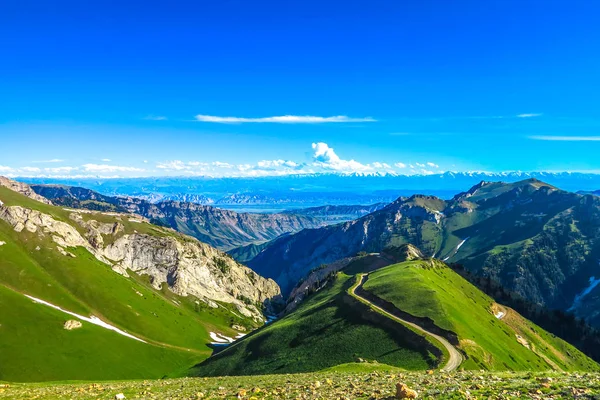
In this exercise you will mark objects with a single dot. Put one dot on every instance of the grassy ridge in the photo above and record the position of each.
(430, 289)
(329, 329)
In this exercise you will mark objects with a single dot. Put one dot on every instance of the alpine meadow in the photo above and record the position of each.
(368, 200)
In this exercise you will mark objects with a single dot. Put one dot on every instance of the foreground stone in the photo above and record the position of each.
(72, 324)
(404, 392)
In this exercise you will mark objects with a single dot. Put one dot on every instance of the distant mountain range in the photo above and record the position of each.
(536, 240)
(224, 229)
(311, 190)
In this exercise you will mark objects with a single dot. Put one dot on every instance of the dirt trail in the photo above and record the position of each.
(455, 358)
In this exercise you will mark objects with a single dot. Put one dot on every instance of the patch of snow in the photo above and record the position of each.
(222, 340)
(460, 244)
(216, 338)
(577, 301)
(92, 319)
(500, 314)
(456, 249)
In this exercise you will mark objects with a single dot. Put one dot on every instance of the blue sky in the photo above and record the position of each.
(464, 85)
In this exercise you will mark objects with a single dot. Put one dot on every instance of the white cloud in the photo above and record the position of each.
(567, 138)
(400, 165)
(175, 165)
(106, 160)
(530, 115)
(60, 170)
(324, 153)
(30, 169)
(4, 168)
(283, 119)
(432, 165)
(220, 164)
(420, 165)
(101, 168)
(155, 118)
(54, 160)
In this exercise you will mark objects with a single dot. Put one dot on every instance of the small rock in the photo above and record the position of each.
(72, 324)
(119, 396)
(404, 392)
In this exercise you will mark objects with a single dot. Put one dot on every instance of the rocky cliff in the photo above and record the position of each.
(130, 244)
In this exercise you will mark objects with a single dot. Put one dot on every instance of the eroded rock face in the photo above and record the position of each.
(185, 265)
(189, 267)
(22, 188)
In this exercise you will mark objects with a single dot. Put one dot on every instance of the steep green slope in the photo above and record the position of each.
(35, 347)
(432, 290)
(33, 343)
(331, 327)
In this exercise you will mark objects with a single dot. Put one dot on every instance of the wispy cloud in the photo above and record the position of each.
(283, 119)
(530, 115)
(155, 118)
(54, 160)
(106, 160)
(567, 138)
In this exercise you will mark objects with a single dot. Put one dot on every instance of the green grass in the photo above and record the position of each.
(177, 327)
(35, 347)
(430, 289)
(329, 329)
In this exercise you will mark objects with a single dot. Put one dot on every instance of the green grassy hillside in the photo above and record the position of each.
(33, 344)
(431, 289)
(331, 327)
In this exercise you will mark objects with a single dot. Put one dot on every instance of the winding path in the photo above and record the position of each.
(455, 358)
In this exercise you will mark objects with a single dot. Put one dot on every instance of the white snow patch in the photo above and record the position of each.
(216, 338)
(220, 339)
(500, 314)
(577, 301)
(91, 319)
(456, 249)
(461, 243)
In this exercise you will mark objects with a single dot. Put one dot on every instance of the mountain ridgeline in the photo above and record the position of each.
(220, 228)
(536, 240)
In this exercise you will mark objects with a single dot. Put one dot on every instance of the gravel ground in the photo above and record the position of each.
(375, 385)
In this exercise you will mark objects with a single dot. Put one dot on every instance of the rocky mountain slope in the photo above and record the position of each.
(536, 240)
(224, 229)
(368, 308)
(160, 296)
